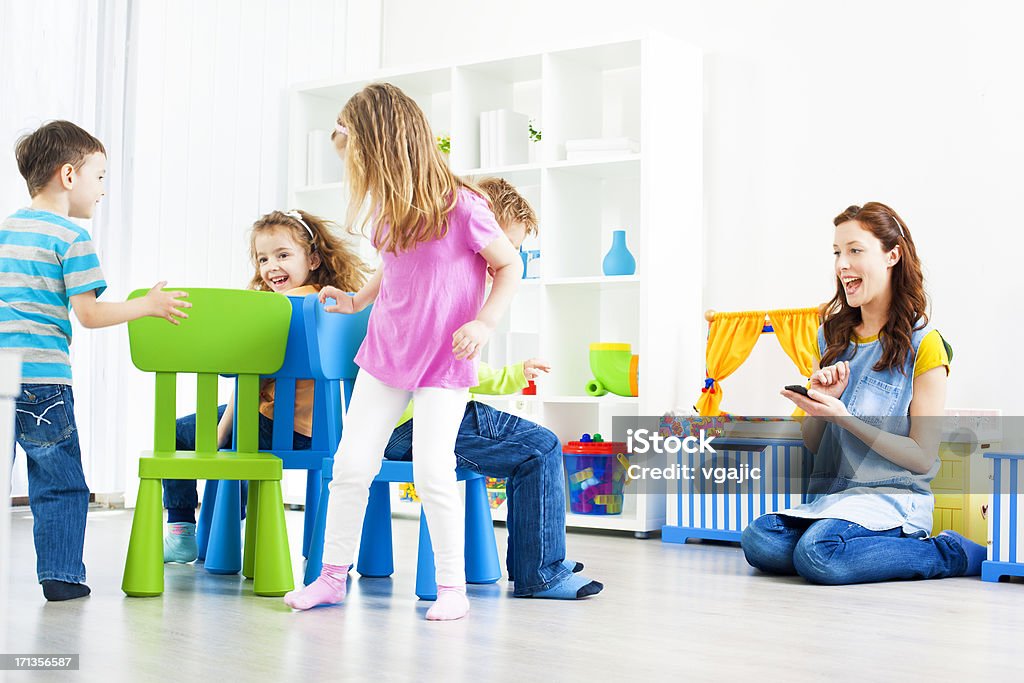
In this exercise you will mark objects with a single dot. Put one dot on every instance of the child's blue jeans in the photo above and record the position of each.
(837, 552)
(57, 492)
(498, 444)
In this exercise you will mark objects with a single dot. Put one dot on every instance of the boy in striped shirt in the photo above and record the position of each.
(47, 265)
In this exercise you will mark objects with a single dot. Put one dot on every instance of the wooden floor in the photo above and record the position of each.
(668, 611)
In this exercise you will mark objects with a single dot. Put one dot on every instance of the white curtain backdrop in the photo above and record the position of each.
(190, 99)
(66, 60)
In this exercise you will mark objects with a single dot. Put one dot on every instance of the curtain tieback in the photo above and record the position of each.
(709, 386)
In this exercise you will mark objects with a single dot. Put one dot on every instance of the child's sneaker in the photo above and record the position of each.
(180, 543)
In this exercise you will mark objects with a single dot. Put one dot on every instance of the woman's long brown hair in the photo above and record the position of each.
(909, 308)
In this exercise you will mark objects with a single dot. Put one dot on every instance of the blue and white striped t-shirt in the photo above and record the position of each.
(45, 259)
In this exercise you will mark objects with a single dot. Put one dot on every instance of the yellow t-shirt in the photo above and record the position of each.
(303, 387)
(930, 354)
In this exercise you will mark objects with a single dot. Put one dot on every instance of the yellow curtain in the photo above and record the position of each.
(797, 332)
(731, 338)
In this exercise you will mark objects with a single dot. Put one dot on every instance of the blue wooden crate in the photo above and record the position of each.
(708, 510)
(1006, 518)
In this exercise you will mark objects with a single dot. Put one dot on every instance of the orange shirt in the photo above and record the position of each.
(303, 387)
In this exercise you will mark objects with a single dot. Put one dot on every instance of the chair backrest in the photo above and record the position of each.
(333, 340)
(228, 331)
(297, 367)
(296, 356)
(322, 348)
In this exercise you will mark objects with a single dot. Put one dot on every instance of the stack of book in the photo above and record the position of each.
(592, 149)
(504, 138)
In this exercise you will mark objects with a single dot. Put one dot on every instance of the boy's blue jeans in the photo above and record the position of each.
(57, 492)
(838, 552)
(181, 494)
(498, 444)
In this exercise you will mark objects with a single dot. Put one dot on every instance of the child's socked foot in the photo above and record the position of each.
(328, 589)
(574, 587)
(451, 604)
(57, 591)
(571, 565)
(975, 552)
(180, 543)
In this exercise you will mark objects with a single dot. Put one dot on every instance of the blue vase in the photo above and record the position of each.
(618, 260)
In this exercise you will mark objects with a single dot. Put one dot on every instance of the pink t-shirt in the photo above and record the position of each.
(425, 295)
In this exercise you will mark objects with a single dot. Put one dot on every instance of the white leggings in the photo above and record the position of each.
(371, 417)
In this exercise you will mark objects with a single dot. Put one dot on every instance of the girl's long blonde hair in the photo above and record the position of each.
(391, 159)
(340, 266)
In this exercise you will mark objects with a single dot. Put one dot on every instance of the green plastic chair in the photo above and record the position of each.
(228, 331)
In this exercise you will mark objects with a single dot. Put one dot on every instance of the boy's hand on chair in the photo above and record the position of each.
(535, 367)
(469, 339)
(831, 380)
(167, 305)
(342, 302)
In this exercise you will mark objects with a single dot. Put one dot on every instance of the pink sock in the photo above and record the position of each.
(451, 604)
(328, 589)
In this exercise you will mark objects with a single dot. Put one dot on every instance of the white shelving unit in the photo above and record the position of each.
(648, 89)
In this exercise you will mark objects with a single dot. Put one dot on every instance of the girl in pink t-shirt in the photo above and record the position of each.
(437, 238)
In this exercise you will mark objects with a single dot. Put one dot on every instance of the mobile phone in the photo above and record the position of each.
(797, 389)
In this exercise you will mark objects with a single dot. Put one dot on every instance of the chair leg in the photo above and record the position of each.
(314, 561)
(482, 564)
(273, 562)
(313, 478)
(376, 555)
(251, 527)
(224, 554)
(426, 580)
(144, 566)
(206, 517)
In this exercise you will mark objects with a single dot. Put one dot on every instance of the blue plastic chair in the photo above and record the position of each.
(333, 341)
(218, 527)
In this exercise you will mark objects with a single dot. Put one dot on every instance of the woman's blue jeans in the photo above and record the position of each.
(497, 444)
(57, 492)
(181, 494)
(837, 552)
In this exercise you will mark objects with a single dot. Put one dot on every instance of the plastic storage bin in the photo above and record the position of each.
(596, 472)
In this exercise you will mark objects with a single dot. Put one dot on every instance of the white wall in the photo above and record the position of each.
(809, 107)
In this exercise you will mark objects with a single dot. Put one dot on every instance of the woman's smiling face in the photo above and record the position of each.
(862, 264)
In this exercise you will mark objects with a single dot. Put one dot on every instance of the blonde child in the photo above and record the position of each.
(528, 455)
(294, 253)
(48, 264)
(437, 238)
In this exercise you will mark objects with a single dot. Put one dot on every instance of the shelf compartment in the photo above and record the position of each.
(591, 93)
(513, 84)
(583, 205)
